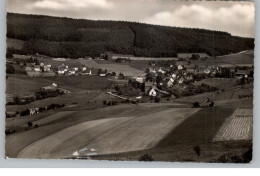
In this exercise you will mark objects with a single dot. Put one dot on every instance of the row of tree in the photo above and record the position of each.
(74, 38)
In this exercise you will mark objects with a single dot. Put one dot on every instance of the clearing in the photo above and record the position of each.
(239, 126)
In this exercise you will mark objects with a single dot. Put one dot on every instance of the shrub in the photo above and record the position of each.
(157, 99)
(36, 126)
(196, 104)
(211, 104)
(30, 124)
(25, 113)
(197, 150)
(10, 69)
(146, 157)
(104, 102)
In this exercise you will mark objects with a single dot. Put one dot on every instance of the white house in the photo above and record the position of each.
(181, 80)
(152, 93)
(161, 71)
(84, 68)
(37, 68)
(61, 72)
(180, 67)
(207, 71)
(174, 76)
(76, 68)
(170, 82)
(54, 85)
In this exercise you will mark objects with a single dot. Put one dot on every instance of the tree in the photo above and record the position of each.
(196, 105)
(147, 70)
(211, 104)
(10, 69)
(146, 157)
(30, 124)
(197, 150)
(9, 54)
(157, 100)
(113, 73)
(195, 57)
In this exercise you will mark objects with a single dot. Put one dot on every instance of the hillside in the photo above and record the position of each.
(65, 37)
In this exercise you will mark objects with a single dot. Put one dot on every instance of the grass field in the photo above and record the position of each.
(20, 140)
(221, 83)
(239, 126)
(197, 130)
(110, 135)
(240, 58)
(114, 67)
(14, 43)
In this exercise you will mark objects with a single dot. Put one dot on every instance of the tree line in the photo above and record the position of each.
(74, 38)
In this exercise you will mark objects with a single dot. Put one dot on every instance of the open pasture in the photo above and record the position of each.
(108, 135)
(75, 83)
(221, 83)
(238, 126)
(18, 85)
(246, 57)
(17, 141)
(14, 43)
(114, 67)
(67, 99)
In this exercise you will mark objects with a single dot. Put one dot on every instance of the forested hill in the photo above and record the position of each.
(65, 37)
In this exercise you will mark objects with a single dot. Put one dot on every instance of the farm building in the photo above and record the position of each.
(46, 68)
(243, 73)
(33, 73)
(112, 56)
(37, 68)
(189, 55)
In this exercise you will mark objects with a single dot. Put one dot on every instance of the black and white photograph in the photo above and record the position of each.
(121, 80)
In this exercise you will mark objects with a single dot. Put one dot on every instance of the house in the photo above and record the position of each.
(140, 80)
(37, 68)
(41, 64)
(170, 82)
(54, 85)
(207, 71)
(181, 80)
(46, 68)
(71, 72)
(152, 70)
(33, 111)
(28, 69)
(112, 56)
(190, 70)
(84, 69)
(75, 68)
(242, 73)
(180, 67)
(189, 55)
(61, 72)
(88, 71)
(161, 71)
(152, 93)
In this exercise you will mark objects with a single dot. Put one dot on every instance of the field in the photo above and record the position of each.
(114, 67)
(14, 43)
(221, 83)
(246, 57)
(145, 118)
(238, 126)
(197, 130)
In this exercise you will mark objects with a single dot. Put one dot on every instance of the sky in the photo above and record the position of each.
(236, 18)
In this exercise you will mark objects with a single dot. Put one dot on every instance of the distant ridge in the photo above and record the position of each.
(74, 38)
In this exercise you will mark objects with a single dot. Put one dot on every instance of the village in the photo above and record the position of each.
(161, 78)
(55, 88)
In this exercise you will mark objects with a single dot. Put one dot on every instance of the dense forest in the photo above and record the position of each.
(74, 38)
